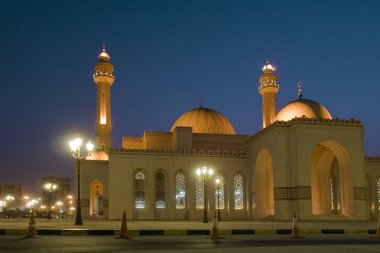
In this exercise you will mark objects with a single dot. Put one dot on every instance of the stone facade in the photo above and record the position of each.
(312, 164)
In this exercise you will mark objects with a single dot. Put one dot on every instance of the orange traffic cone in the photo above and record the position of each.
(123, 229)
(32, 227)
(378, 229)
(215, 228)
(295, 229)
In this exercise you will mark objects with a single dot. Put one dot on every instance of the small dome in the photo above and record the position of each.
(205, 121)
(97, 156)
(268, 67)
(104, 56)
(303, 107)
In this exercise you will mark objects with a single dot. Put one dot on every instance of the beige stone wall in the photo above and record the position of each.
(157, 140)
(291, 147)
(124, 165)
(132, 142)
(183, 139)
(90, 172)
(287, 169)
(372, 165)
(219, 142)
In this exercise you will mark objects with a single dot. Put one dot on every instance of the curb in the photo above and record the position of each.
(159, 232)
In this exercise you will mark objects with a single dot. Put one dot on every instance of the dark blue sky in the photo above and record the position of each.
(167, 55)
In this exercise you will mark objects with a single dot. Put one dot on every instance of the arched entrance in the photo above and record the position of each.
(96, 199)
(264, 185)
(331, 180)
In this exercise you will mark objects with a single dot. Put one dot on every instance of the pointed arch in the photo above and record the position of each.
(264, 184)
(96, 198)
(323, 158)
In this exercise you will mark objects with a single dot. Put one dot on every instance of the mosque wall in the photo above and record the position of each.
(292, 156)
(269, 163)
(157, 140)
(129, 142)
(219, 142)
(372, 166)
(93, 172)
(315, 148)
(125, 166)
(181, 138)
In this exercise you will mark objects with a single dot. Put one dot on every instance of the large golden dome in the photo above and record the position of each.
(303, 108)
(205, 121)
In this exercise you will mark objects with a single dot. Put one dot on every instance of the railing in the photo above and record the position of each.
(187, 152)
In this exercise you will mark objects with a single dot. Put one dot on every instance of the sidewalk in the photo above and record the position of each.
(112, 227)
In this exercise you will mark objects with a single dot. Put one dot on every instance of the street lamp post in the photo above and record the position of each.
(50, 188)
(218, 191)
(205, 173)
(75, 150)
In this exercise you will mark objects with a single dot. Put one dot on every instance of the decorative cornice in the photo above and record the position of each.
(372, 158)
(304, 120)
(156, 132)
(186, 152)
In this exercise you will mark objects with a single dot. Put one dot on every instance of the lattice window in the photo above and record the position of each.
(378, 193)
(219, 192)
(333, 194)
(160, 190)
(199, 193)
(239, 191)
(139, 190)
(180, 196)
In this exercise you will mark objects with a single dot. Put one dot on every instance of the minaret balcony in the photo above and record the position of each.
(103, 78)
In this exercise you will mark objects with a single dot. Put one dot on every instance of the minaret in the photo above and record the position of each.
(103, 79)
(268, 90)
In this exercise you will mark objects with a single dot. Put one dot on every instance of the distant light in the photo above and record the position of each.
(90, 146)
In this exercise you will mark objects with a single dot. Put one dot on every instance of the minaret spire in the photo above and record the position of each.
(299, 85)
(268, 90)
(103, 78)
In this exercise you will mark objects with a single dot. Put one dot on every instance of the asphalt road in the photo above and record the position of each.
(198, 244)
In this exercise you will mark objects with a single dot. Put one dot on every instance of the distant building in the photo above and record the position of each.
(60, 194)
(17, 191)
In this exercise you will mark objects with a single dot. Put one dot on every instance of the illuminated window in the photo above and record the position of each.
(180, 194)
(199, 198)
(378, 192)
(333, 195)
(160, 190)
(139, 190)
(103, 119)
(238, 191)
(219, 192)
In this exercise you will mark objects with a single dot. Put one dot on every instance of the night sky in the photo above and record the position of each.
(167, 56)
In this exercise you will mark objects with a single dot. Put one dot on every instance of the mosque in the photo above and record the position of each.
(303, 160)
